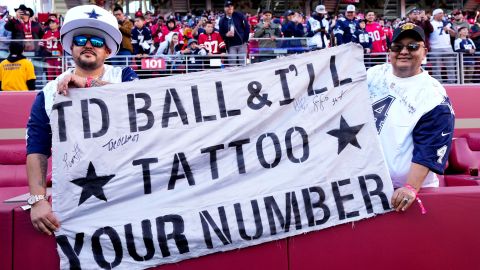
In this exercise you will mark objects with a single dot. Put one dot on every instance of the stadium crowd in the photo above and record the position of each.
(232, 34)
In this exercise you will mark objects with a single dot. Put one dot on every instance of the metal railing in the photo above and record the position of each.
(451, 68)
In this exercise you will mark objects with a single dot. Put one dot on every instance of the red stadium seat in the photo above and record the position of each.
(13, 168)
(465, 155)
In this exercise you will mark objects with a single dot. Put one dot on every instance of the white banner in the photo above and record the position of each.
(157, 171)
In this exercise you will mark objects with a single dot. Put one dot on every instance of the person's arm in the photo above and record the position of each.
(246, 29)
(432, 139)
(259, 31)
(126, 28)
(338, 32)
(39, 142)
(222, 28)
(31, 84)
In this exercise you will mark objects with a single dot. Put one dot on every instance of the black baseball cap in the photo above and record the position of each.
(410, 30)
(288, 13)
(228, 3)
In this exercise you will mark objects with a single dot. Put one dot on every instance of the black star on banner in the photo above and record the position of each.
(93, 14)
(92, 185)
(346, 135)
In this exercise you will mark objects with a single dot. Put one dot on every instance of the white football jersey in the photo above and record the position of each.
(414, 119)
(439, 39)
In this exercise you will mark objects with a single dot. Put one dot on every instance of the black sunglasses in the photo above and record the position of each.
(81, 40)
(411, 47)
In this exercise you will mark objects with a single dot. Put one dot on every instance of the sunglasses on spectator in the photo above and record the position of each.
(411, 47)
(81, 40)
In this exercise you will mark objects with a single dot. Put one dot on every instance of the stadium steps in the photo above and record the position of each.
(62, 6)
(180, 5)
(471, 5)
(391, 9)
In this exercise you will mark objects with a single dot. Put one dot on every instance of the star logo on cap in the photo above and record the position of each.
(93, 14)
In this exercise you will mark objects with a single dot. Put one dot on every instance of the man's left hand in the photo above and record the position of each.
(70, 81)
(402, 199)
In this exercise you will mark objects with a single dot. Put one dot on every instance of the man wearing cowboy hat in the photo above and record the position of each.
(22, 27)
(90, 34)
(413, 115)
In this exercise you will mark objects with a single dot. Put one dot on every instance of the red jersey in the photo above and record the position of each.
(166, 31)
(388, 33)
(375, 31)
(51, 41)
(213, 43)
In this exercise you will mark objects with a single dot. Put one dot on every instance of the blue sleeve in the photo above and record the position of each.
(309, 30)
(355, 37)
(246, 33)
(129, 75)
(299, 32)
(432, 137)
(135, 41)
(39, 132)
(338, 31)
(222, 27)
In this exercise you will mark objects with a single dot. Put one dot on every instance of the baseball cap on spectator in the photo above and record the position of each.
(410, 30)
(350, 8)
(437, 11)
(148, 12)
(228, 3)
(90, 20)
(138, 13)
(267, 11)
(456, 12)
(321, 9)
(411, 9)
(52, 20)
(192, 40)
(288, 13)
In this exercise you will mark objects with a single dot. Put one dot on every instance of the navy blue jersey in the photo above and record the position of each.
(39, 132)
(363, 38)
(141, 40)
(344, 30)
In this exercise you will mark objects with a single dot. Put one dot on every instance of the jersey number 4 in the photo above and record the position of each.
(380, 111)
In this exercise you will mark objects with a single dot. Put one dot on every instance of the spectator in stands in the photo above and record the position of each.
(141, 38)
(193, 63)
(52, 49)
(16, 72)
(235, 31)
(292, 28)
(414, 117)
(459, 22)
(374, 29)
(362, 37)
(90, 34)
(22, 27)
(346, 26)
(441, 48)
(475, 32)
(169, 49)
(417, 16)
(211, 40)
(318, 29)
(199, 27)
(465, 45)
(125, 26)
(5, 35)
(148, 19)
(267, 29)
(387, 30)
(172, 27)
(157, 31)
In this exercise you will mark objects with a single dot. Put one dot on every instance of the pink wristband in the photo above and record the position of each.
(422, 208)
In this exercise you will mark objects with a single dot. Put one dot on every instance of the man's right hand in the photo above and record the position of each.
(43, 218)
